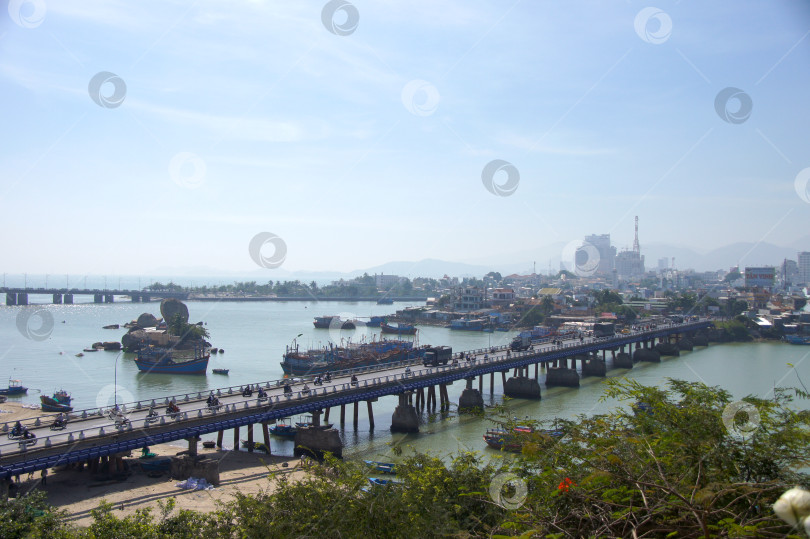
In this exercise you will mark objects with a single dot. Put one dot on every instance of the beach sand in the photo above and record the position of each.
(79, 492)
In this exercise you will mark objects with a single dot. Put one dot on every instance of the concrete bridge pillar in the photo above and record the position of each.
(145, 298)
(405, 418)
(646, 354)
(135, 298)
(192, 445)
(98, 298)
(471, 400)
(108, 298)
(22, 298)
(594, 367)
(57, 299)
(68, 299)
(11, 298)
(623, 361)
(561, 377)
(316, 441)
(521, 387)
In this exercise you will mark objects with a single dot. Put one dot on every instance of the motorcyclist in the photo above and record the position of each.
(287, 388)
(247, 392)
(17, 430)
(262, 394)
(354, 378)
(328, 377)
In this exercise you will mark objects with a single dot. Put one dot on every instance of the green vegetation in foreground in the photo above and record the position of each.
(673, 469)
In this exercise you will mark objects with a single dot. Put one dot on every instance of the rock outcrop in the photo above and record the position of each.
(170, 307)
(147, 320)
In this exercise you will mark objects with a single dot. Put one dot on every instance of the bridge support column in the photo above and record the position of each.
(492, 383)
(405, 418)
(235, 439)
(266, 434)
(57, 299)
(219, 439)
(356, 413)
(192, 446)
(146, 298)
(250, 438)
(108, 298)
(503, 378)
(98, 298)
(370, 415)
(594, 367)
(4, 484)
(326, 415)
(623, 361)
(315, 441)
(561, 377)
(521, 387)
(481, 384)
(342, 414)
(68, 299)
(471, 400)
(537, 371)
(445, 398)
(135, 298)
(22, 298)
(11, 298)
(431, 398)
(646, 354)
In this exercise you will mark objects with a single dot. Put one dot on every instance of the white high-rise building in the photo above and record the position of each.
(607, 253)
(804, 267)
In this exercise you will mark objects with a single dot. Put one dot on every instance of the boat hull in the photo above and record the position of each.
(50, 405)
(14, 391)
(192, 366)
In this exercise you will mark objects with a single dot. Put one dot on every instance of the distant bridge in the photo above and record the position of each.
(19, 296)
(91, 434)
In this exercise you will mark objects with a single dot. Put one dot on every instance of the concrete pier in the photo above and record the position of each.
(667, 349)
(521, 387)
(646, 354)
(316, 441)
(594, 367)
(471, 400)
(623, 361)
(405, 418)
(561, 377)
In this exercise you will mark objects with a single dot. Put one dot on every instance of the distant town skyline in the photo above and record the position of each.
(328, 137)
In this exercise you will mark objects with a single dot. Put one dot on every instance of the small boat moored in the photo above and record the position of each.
(15, 387)
(59, 402)
(220, 371)
(382, 467)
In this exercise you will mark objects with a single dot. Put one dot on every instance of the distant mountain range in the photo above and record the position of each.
(545, 259)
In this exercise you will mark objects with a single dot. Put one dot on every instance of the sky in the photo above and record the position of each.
(339, 135)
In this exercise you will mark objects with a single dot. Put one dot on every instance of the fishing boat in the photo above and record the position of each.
(283, 430)
(330, 322)
(353, 355)
(375, 321)
(465, 324)
(15, 387)
(158, 360)
(797, 339)
(59, 402)
(220, 371)
(383, 467)
(399, 329)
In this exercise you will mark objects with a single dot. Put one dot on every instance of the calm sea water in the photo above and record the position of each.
(254, 336)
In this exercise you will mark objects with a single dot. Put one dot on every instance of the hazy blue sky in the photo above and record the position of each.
(361, 138)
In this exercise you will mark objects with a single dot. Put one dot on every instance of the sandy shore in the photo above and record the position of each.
(79, 492)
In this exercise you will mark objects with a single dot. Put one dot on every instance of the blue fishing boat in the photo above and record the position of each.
(797, 339)
(399, 329)
(383, 467)
(160, 360)
(59, 402)
(283, 430)
(15, 387)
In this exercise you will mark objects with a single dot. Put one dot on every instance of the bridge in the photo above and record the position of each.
(92, 434)
(19, 296)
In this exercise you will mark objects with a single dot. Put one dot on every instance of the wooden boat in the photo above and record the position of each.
(209, 444)
(90, 350)
(285, 431)
(383, 467)
(49, 404)
(220, 371)
(400, 329)
(15, 387)
(172, 361)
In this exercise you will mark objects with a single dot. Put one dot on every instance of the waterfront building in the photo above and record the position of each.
(470, 298)
(760, 277)
(384, 282)
(502, 296)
